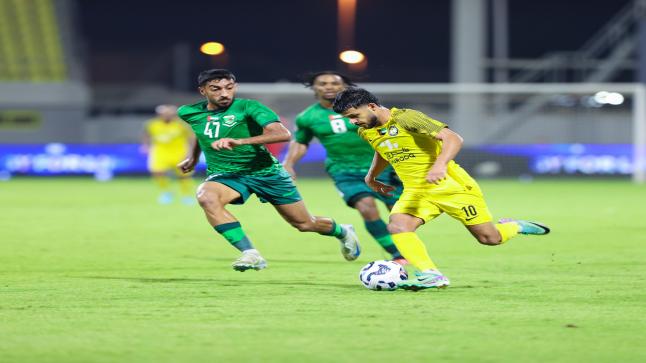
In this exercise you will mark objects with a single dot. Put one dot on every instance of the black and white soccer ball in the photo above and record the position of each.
(382, 275)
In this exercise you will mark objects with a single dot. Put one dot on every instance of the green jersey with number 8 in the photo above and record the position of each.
(243, 118)
(346, 151)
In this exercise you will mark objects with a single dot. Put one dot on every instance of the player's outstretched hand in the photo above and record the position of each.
(436, 174)
(379, 187)
(225, 143)
(187, 165)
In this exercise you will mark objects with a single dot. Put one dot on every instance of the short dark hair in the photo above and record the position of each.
(353, 98)
(211, 74)
(310, 78)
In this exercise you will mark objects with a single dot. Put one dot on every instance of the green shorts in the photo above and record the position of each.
(352, 187)
(276, 188)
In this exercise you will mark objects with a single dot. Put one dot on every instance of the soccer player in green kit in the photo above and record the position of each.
(232, 132)
(348, 156)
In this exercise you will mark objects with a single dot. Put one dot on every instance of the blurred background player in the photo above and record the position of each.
(348, 156)
(421, 150)
(232, 133)
(166, 140)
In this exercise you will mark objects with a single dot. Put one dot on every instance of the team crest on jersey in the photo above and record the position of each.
(393, 131)
(229, 120)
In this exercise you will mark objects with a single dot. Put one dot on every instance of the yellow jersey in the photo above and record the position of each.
(407, 141)
(171, 137)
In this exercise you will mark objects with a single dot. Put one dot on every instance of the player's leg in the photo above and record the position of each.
(402, 227)
(389, 177)
(491, 235)
(185, 180)
(158, 171)
(495, 234)
(278, 189)
(213, 198)
(297, 215)
(367, 208)
(467, 204)
(413, 209)
(185, 186)
(471, 209)
(163, 183)
(356, 194)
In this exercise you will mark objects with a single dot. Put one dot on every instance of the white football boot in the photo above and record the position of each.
(250, 259)
(350, 248)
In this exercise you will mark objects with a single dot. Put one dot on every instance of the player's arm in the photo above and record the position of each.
(418, 122)
(145, 140)
(303, 135)
(272, 130)
(378, 165)
(190, 139)
(188, 164)
(295, 153)
(451, 145)
(271, 133)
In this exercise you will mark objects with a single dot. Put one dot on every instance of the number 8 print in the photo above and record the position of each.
(338, 126)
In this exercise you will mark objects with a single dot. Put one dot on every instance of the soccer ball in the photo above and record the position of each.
(382, 275)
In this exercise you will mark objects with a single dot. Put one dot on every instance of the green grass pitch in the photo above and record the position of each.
(98, 272)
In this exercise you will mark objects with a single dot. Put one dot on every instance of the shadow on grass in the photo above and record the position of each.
(220, 282)
(241, 283)
(276, 260)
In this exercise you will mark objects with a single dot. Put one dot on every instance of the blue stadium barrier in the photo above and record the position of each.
(113, 159)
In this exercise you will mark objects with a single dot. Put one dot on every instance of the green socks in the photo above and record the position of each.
(233, 233)
(379, 231)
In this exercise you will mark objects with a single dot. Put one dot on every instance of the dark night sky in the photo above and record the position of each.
(405, 40)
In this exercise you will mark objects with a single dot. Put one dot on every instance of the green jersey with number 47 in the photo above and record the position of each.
(346, 151)
(243, 118)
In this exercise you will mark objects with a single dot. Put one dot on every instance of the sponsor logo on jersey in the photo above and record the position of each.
(393, 131)
(382, 132)
(397, 156)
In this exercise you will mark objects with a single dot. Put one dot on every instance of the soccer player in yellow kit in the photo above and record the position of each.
(166, 139)
(421, 150)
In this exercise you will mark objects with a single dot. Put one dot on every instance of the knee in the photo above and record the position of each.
(488, 239)
(367, 209)
(394, 228)
(208, 200)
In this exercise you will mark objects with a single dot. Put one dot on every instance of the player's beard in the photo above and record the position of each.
(372, 122)
(222, 102)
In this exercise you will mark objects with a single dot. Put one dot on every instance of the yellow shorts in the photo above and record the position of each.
(463, 202)
(161, 162)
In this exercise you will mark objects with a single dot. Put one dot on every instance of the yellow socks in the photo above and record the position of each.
(186, 186)
(414, 250)
(507, 230)
(162, 181)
